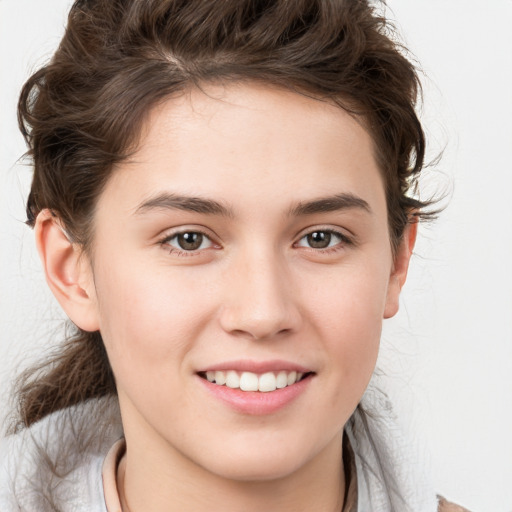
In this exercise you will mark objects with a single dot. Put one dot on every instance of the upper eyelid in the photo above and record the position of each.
(170, 233)
(343, 239)
(343, 233)
(174, 235)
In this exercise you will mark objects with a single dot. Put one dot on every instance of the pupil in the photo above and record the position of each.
(319, 239)
(190, 241)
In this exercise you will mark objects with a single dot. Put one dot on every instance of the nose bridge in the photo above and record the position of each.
(260, 301)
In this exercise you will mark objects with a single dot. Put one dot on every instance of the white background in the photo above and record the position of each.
(448, 354)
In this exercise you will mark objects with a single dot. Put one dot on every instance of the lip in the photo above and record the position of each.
(259, 367)
(256, 403)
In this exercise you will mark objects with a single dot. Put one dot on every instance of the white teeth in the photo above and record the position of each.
(249, 381)
(281, 380)
(292, 378)
(267, 382)
(220, 378)
(232, 379)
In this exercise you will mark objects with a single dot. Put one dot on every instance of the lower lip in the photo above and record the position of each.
(255, 402)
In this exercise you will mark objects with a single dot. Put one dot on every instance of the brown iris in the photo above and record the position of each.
(319, 239)
(190, 241)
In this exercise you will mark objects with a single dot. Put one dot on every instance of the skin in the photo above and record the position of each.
(255, 290)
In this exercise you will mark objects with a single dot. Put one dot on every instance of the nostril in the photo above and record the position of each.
(260, 311)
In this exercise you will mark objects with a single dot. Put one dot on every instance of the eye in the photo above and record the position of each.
(188, 241)
(322, 239)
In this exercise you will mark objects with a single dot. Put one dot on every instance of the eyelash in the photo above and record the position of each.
(165, 243)
(344, 241)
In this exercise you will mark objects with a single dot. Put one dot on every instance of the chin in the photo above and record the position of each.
(263, 461)
(261, 470)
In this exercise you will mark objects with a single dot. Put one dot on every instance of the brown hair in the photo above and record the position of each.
(82, 113)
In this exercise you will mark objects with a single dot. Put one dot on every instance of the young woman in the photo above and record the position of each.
(222, 202)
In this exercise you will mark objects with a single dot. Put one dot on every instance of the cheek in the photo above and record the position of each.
(348, 313)
(149, 326)
(147, 319)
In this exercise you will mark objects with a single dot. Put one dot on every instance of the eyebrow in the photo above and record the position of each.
(168, 201)
(333, 203)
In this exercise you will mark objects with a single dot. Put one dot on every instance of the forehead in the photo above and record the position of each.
(262, 144)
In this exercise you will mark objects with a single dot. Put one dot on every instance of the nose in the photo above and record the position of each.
(260, 300)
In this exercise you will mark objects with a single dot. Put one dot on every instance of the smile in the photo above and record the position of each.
(249, 381)
(256, 388)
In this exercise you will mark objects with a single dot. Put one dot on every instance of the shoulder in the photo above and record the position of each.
(446, 506)
(64, 453)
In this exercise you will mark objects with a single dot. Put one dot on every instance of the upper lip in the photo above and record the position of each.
(244, 365)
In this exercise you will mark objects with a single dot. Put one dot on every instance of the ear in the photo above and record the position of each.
(67, 270)
(400, 267)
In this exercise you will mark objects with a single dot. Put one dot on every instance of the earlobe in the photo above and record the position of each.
(400, 267)
(67, 272)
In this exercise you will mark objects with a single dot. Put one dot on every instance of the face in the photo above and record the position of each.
(241, 270)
